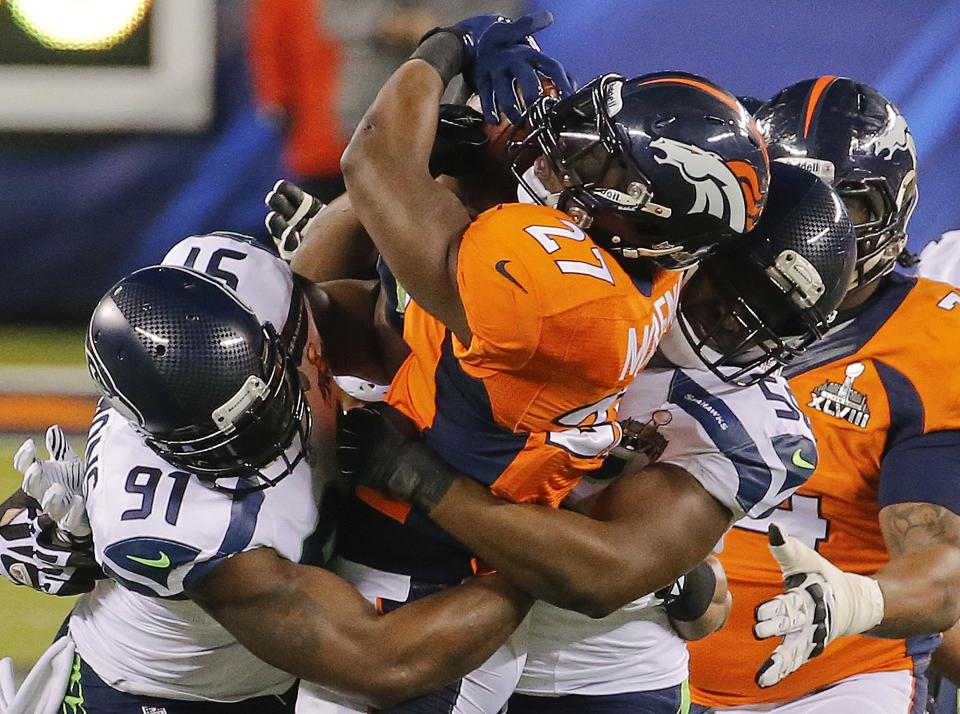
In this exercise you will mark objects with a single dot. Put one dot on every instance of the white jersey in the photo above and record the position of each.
(158, 529)
(940, 259)
(750, 448)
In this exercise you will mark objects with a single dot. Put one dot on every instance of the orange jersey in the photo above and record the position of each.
(559, 330)
(877, 396)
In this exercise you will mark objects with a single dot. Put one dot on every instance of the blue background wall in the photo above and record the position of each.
(75, 216)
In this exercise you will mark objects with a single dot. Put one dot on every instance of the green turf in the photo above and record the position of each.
(28, 619)
(41, 345)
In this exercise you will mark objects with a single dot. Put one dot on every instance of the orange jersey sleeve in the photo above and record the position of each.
(877, 400)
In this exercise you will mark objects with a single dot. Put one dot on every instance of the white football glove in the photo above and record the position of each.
(821, 603)
(292, 210)
(56, 483)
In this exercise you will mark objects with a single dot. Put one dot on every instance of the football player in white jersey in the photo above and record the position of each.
(205, 473)
(733, 443)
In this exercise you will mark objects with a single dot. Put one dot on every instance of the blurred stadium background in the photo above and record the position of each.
(128, 124)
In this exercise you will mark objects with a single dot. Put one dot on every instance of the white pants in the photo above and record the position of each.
(483, 691)
(873, 693)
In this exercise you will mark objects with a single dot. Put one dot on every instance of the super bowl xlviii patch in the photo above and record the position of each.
(842, 400)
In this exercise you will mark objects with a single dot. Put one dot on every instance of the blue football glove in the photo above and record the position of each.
(509, 66)
(504, 66)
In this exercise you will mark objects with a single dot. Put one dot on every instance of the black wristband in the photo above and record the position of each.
(420, 476)
(442, 49)
(696, 595)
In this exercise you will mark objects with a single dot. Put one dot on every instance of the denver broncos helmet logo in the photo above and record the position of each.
(896, 138)
(720, 190)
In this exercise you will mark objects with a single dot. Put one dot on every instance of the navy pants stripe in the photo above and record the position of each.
(659, 701)
(88, 694)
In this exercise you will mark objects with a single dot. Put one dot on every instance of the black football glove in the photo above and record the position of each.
(34, 555)
(292, 210)
(460, 142)
(380, 448)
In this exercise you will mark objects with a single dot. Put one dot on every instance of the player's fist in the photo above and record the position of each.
(379, 447)
(292, 210)
(821, 603)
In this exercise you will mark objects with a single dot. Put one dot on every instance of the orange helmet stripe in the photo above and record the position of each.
(816, 92)
(713, 91)
(723, 96)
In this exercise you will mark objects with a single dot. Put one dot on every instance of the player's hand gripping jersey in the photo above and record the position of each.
(559, 332)
(158, 529)
(749, 447)
(886, 425)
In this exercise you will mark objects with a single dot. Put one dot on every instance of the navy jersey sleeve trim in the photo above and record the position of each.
(850, 339)
(906, 408)
(728, 434)
(465, 432)
(244, 512)
(923, 469)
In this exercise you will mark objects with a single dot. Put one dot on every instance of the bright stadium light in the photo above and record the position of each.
(79, 24)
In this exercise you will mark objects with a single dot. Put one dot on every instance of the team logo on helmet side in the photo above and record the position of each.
(896, 138)
(726, 191)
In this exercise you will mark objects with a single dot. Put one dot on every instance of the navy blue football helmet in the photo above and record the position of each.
(209, 388)
(857, 140)
(758, 302)
(661, 167)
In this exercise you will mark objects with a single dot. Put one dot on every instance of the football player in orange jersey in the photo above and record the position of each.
(525, 331)
(728, 436)
(883, 503)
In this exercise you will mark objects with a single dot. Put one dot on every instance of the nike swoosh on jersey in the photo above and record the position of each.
(798, 460)
(162, 562)
(502, 269)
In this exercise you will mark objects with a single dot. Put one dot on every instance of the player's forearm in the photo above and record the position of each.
(417, 648)
(415, 223)
(396, 134)
(565, 558)
(335, 246)
(435, 640)
(921, 592)
(310, 623)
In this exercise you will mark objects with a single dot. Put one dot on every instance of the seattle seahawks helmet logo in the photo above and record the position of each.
(896, 138)
(718, 189)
